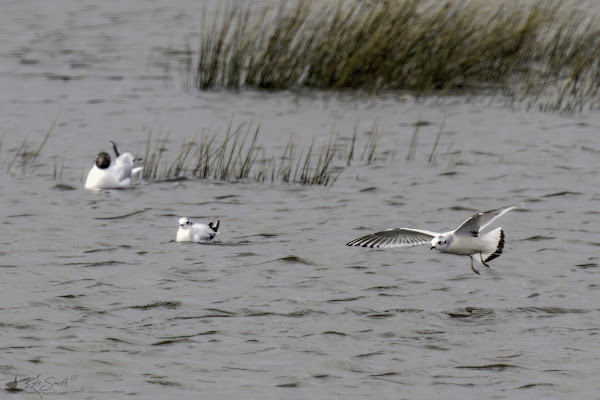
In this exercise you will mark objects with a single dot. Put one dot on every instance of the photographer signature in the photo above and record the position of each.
(39, 384)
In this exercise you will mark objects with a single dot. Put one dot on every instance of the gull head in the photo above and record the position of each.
(102, 160)
(184, 222)
(439, 243)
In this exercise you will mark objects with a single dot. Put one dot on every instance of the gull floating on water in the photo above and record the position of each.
(199, 233)
(111, 175)
(464, 240)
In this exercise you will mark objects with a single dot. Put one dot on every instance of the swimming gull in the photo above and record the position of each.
(196, 232)
(111, 175)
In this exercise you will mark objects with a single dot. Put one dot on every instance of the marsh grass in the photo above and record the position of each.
(58, 174)
(27, 155)
(533, 52)
(235, 155)
(368, 152)
(414, 141)
(433, 154)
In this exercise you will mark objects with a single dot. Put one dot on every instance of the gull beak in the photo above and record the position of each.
(432, 247)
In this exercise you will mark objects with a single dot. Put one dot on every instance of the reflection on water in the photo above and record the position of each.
(97, 295)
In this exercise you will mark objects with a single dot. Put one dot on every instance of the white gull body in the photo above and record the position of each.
(465, 240)
(108, 174)
(196, 232)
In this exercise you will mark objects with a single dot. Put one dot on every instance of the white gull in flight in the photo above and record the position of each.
(465, 240)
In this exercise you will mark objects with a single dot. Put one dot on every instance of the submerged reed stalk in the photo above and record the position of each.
(538, 52)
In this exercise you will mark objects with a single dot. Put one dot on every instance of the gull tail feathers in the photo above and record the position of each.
(495, 240)
(213, 226)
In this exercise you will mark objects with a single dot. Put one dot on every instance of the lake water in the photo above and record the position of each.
(98, 301)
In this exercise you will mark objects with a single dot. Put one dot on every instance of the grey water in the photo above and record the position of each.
(98, 301)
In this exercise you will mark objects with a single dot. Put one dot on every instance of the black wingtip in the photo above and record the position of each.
(499, 248)
(214, 226)
(364, 241)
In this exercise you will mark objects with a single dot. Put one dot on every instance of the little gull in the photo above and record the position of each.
(199, 233)
(464, 240)
(115, 175)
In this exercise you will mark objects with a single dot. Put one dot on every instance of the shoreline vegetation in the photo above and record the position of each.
(533, 53)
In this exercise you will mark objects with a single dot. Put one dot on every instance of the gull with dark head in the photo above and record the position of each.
(466, 240)
(199, 233)
(106, 174)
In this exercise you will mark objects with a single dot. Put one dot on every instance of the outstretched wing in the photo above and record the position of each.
(395, 237)
(479, 221)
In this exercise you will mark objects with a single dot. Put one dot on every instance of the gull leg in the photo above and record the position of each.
(481, 258)
(474, 270)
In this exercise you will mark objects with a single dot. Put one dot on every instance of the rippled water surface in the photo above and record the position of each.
(98, 301)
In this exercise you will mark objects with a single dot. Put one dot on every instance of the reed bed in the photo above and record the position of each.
(533, 52)
(235, 155)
